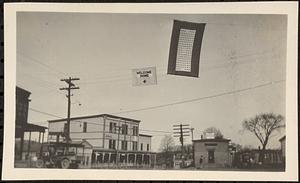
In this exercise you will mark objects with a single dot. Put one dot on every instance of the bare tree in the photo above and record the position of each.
(263, 127)
(218, 134)
(167, 147)
(167, 144)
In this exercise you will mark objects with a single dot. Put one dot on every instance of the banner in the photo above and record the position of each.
(185, 48)
(144, 76)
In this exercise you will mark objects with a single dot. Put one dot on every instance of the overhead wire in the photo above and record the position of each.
(97, 82)
(201, 98)
(82, 121)
(175, 103)
(42, 64)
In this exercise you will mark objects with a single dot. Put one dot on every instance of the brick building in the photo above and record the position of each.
(115, 140)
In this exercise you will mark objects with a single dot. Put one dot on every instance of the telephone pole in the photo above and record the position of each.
(71, 86)
(193, 148)
(183, 130)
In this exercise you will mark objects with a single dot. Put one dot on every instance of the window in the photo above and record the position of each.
(124, 145)
(135, 131)
(112, 144)
(112, 127)
(141, 146)
(84, 127)
(148, 147)
(124, 129)
(134, 146)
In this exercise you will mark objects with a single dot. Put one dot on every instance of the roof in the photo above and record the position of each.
(22, 91)
(28, 127)
(266, 150)
(282, 138)
(63, 144)
(94, 116)
(211, 140)
(145, 135)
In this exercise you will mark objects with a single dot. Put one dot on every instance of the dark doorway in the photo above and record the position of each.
(211, 156)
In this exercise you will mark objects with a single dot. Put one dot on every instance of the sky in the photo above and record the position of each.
(242, 70)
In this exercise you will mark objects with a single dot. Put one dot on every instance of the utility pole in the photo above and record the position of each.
(193, 148)
(71, 86)
(180, 132)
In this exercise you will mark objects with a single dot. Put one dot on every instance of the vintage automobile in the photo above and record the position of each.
(59, 155)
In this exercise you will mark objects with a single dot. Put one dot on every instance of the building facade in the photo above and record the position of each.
(214, 152)
(282, 146)
(272, 159)
(22, 125)
(115, 140)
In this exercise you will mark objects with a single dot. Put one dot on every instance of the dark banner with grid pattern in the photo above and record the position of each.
(185, 48)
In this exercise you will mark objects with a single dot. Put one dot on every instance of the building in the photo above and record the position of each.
(22, 125)
(215, 152)
(282, 146)
(115, 141)
(282, 149)
(272, 159)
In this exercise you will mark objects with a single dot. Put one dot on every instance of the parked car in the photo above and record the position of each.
(59, 155)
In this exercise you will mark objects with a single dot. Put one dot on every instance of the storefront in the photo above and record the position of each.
(213, 152)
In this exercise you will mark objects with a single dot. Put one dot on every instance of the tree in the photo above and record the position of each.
(263, 127)
(238, 147)
(218, 134)
(167, 146)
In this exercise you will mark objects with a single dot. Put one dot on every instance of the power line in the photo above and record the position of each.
(120, 78)
(185, 101)
(42, 112)
(201, 98)
(164, 67)
(78, 121)
(46, 84)
(159, 131)
(176, 103)
(42, 64)
(38, 78)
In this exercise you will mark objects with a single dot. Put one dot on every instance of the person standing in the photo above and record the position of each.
(201, 162)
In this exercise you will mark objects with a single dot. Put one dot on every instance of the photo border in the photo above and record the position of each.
(288, 8)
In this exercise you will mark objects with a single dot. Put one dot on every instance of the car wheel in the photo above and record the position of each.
(65, 164)
(39, 163)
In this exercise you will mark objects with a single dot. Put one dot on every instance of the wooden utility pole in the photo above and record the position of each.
(180, 132)
(71, 86)
(193, 148)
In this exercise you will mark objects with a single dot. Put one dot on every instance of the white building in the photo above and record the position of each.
(115, 140)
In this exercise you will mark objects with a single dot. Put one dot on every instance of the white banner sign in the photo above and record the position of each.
(144, 76)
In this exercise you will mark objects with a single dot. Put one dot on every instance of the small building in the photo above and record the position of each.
(282, 146)
(115, 141)
(215, 152)
(272, 158)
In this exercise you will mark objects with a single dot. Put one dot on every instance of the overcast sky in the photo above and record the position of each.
(238, 52)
